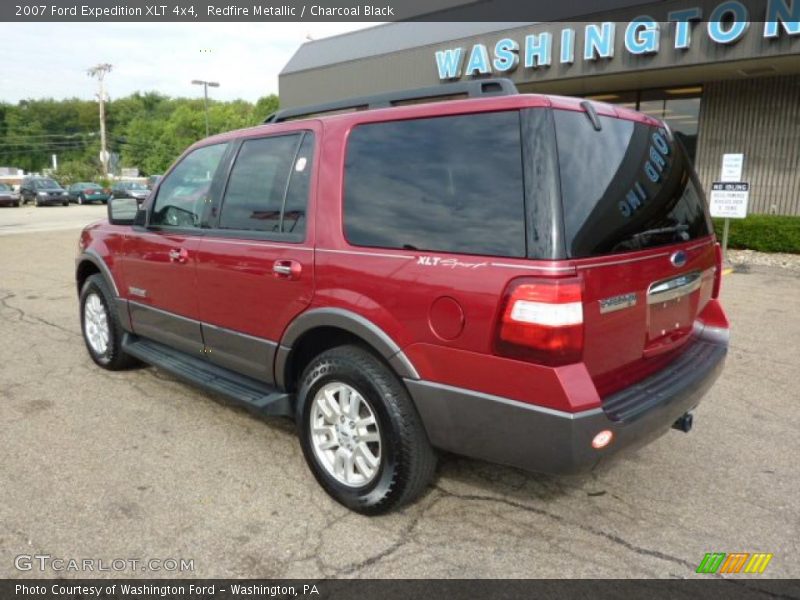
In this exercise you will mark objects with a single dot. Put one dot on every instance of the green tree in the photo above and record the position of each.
(148, 130)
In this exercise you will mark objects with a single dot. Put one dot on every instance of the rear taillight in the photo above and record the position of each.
(542, 321)
(717, 271)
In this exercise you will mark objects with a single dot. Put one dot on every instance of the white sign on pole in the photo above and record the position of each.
(732, 167)
(729, 199)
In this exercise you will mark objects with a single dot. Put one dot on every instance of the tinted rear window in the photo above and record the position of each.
(626, 187)
(448, 184)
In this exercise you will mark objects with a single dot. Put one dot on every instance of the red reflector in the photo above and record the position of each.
(542, 321)
(602, 439)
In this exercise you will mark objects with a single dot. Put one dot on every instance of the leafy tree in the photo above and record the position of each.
(148, 130)
(74, 171)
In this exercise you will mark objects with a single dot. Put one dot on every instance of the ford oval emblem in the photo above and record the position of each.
(678, 259)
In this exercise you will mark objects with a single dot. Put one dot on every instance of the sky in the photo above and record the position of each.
(49, 60)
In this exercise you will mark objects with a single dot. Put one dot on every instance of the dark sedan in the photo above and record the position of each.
(42, 190)
(85, 192)
(8, 197)
(130, 189)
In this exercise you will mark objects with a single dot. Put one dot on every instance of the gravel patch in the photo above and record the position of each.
(746, 258)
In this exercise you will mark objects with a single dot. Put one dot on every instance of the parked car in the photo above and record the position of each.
(526, 279)
(130, 189)
(42, 191)
(85, 192)
(8, 197)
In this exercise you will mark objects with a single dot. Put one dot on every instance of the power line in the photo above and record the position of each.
(48, 135)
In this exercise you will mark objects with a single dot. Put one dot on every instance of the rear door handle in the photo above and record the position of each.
(287, 269)
(178, 255)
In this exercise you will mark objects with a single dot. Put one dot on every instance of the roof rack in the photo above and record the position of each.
(472, 89)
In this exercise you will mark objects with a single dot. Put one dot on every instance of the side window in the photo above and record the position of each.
(448, 184)
(294, 212)
(183, 193)
(254, 198)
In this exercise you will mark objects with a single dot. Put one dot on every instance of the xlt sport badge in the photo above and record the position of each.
(613, 303)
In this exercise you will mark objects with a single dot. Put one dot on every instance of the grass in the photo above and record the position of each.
(764, 233)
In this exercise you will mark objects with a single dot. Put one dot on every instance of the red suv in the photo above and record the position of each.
(530, 280)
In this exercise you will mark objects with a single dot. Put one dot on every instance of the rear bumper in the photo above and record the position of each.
(544, 440)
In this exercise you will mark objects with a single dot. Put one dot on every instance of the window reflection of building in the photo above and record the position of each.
(678, 107)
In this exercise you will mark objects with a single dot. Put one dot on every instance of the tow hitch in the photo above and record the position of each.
(684, 423)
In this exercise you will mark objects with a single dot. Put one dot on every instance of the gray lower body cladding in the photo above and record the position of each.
(548, 441)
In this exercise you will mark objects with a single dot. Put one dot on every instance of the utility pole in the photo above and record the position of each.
(100, 71)
(206, 85)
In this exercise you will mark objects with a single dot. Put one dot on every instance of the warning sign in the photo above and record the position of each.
(729, 199)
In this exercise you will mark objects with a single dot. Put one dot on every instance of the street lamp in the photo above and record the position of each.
(206, 85)
(100, 72)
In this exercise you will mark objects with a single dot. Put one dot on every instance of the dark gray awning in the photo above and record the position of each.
(383, 39)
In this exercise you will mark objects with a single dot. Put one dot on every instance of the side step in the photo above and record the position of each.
(253, 395)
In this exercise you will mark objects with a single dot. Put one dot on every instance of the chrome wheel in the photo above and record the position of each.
(345, 435)
(95, 324)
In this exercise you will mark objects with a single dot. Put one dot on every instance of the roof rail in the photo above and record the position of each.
(472, 89)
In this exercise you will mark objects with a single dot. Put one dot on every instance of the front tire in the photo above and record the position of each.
(102, 331)
(360, 432)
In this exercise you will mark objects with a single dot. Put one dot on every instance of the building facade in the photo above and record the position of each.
(728, 84)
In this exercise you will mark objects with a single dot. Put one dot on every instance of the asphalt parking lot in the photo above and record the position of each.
(137, 465)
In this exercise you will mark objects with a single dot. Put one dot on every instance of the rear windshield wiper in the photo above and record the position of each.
(678, 229)
(636, 240)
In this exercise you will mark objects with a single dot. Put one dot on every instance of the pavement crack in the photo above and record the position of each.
(24, 317)
(586, 528)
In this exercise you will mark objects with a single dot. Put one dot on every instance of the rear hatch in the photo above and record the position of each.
(636, 224)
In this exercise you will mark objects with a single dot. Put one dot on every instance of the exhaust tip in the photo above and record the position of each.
(684, 423)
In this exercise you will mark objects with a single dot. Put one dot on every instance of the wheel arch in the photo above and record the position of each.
(320, 329)
(89, 263)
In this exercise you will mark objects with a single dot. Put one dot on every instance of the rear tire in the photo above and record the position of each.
(102, 331)
(65, 203)
(15, 204)
(371, 459)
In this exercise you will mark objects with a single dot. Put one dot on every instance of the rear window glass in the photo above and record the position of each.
(626, 187)
(447, 184)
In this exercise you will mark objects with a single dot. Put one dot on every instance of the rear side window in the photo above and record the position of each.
(447, 184)
(626, 187)
(295, 207)
(257, 185)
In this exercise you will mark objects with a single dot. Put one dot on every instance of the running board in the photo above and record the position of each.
(253, 395)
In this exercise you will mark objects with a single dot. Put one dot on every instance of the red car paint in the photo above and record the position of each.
(441, 309)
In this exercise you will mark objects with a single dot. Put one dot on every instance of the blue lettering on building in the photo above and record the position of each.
(642, 36)
(723, 32)
(725, 25)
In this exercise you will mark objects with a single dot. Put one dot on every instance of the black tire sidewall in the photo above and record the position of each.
(327, 369)
(96, 284)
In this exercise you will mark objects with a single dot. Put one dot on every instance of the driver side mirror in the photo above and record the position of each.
(123, 211)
